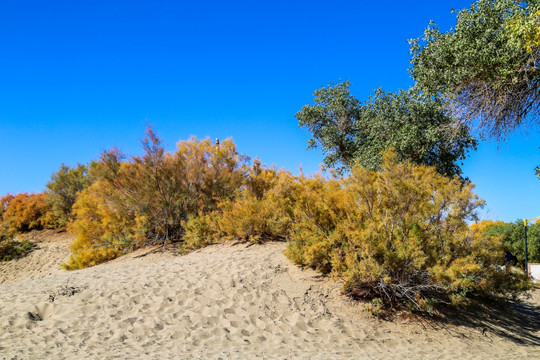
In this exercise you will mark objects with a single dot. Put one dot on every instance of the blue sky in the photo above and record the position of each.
(78, 77)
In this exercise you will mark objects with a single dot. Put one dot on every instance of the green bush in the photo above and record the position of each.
(62, 191)
(11, 249)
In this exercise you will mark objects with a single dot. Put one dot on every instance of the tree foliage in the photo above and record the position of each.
(63, 188)
(513, 238)
(487, 67)
(415, 125)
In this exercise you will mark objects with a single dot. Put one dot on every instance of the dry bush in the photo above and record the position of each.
(19, 214)
(398, 236)
(250, 219)
(319, 206)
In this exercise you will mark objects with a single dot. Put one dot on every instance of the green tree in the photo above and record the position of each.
(63, 188)
(512, 235)
(415, 125)
(487, 67)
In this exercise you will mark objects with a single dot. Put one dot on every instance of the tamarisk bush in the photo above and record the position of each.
(259, 211)
(399, 237)
(145, 199)
(25, 212)
(19, 214)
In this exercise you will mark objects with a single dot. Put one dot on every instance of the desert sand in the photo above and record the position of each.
(228, 301)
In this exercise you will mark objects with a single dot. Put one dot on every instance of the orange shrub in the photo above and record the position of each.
(144, 200)
(24, 212)
(259, 211)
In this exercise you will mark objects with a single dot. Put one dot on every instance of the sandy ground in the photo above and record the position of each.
(51, 250)
(226, 302)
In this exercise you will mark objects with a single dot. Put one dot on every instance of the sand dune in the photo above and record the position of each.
(230, 302)
(52, 249)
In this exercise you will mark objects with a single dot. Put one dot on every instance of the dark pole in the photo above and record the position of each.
(526, 262)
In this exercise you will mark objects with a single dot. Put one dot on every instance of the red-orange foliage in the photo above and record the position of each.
(24, 212)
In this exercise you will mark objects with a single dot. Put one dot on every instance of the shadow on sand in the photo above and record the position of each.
(517, 321)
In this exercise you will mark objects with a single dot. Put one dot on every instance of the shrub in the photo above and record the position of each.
(319, 206)
(250, 219)
(200, 230)
(399, 235)
(101, 232)
(62, 191)
(145, 200)
(257, 212)
(4, 203)
(512, 236)
(25, 212)
(11, 249)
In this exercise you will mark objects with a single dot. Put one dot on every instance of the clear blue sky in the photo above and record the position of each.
(78, 77)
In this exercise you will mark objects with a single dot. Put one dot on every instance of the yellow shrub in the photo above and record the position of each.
(399, 235)
(101, 231)
(319, 205)
(258, 212)
(200, 231)
(481, 226)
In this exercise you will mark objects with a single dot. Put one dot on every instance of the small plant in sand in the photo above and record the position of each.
(11, 248)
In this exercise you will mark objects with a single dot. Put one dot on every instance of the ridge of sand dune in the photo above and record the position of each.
(225, 301)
